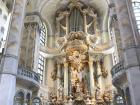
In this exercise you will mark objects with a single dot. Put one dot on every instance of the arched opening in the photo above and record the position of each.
(36, 101)
(28, 98)
(19, 98)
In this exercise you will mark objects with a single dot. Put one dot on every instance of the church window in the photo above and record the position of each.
(43, 34)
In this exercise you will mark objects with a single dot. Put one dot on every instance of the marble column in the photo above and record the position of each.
(65, 79)
(9, 65)
(91, 73)
(130, 47)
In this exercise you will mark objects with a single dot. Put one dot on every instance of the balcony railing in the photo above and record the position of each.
(118, 69)
(28, 74)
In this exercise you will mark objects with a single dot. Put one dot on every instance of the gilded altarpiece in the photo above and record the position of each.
(80, 68)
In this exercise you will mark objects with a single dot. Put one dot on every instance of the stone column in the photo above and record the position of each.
(130, 47)
(58, 78)
(91, 73)
(65, 79)
(9, 65)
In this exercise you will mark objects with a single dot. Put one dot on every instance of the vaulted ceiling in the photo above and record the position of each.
(48, 8)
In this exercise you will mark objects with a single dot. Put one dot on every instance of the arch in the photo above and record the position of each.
(42, 4)
(49, 29)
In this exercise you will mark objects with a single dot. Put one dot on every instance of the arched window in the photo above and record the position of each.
(19, 98)
(136, 8)
(36, 101)
(41, 60)
(43, 34)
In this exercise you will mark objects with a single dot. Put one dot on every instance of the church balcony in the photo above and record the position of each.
(118, 73)
(28, 78)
